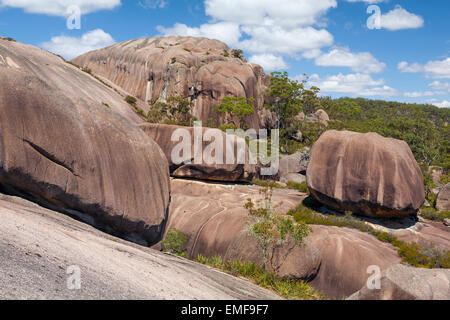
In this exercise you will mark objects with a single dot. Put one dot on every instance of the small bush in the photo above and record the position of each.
(433, 214)
(174, 242)
(87, 70)
(266, 183)
(106, 105)
(301, 187)
(8, 39)
(131, 100)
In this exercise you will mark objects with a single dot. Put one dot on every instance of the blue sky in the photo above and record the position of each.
(403, 56)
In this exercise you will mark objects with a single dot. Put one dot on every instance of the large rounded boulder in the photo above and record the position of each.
(366, 174)
(69, 142)
(213, 164)
(443, 198)
(205, 70)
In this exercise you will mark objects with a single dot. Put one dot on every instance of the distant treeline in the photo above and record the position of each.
(424, 127)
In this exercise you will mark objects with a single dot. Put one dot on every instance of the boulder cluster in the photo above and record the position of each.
(70, 142)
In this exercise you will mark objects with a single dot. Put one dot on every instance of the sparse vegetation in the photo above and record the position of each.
(175, 242)
(131, 100)
(288, 289)
(225, 53)
(413, 254)
(270, 228)
(301, 187)
(235, 108)
(8, 39)
(176, 110)
(87, 70)
(238, 54)
(433, 214)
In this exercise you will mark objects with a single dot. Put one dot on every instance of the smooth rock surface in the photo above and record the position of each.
(401, 282)
(443, 198)
(366, 174)
(214, 219)
(207, 169)
(61, 146)
(38, 245)
(346, 255)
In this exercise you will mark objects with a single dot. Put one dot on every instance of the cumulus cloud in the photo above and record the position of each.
(71, 47)
(60, 7)
(285, 13)
(227, 32)
(399, 19)
(440, 104)
(362, 62)
(275, 39)
(269, 62)
(438, 85)
(438, 69)
(265, 28)
(355, 84)
(419, 94)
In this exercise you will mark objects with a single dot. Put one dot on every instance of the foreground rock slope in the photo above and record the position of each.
(62, 146)
(366, 174)
(200, 68)
(401, 282)
(37, 246)
(213, 218)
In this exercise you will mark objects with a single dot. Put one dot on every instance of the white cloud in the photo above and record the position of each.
(440, 104)
(269, 62)
(275, 39)
(438, 85)
(285, 13)
(412, 68)
(399, 19)
(356, 84)
(265, 28)
(439, 69)
(227, 32)
(60, 7)
(419, 94)
(362, 62)
(71, 47)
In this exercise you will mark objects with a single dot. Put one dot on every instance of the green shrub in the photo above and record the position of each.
(266, 183)
(301, 187)
(271, 228)
(289, 289)
(174, 242)
(131, 100)
(87, 70)
(433, 214)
